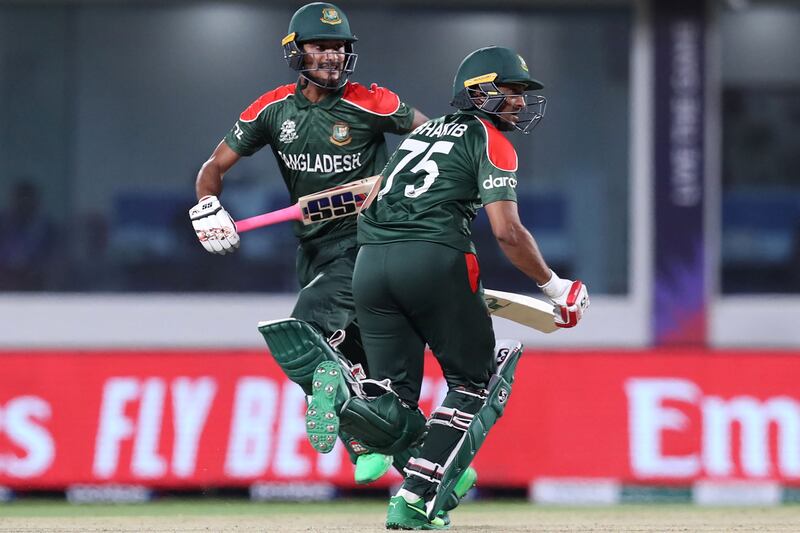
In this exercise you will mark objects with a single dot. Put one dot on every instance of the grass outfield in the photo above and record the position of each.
(367, 516)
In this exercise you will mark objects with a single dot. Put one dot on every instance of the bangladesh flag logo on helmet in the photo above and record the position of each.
(330, 16)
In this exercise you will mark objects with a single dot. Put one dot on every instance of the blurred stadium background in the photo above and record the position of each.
(666, 175)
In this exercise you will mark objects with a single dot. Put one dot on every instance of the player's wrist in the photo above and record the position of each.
(554, 287)
(553, 276)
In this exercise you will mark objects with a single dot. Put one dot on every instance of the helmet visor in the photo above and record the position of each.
(327, 69)
(528, 116)
(514, 106)
(327, 72)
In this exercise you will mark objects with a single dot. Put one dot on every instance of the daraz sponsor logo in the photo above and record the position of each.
(499, 181)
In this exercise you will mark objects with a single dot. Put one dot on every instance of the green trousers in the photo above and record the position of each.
(325, 273)
(409, 294)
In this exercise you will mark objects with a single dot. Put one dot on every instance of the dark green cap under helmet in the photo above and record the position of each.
(493, 64)
(320, 21)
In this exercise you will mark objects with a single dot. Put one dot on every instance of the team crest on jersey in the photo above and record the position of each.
(330, 16)
(341, 134)
(288, 131)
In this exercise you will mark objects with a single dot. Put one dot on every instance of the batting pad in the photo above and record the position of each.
(298, 349)
(507, 354)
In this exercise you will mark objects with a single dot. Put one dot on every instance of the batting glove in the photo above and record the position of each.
(570, 299)
(214, 227)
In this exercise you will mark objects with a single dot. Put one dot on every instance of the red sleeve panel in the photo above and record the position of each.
(375, 100)
(499, 149)
(265, 100)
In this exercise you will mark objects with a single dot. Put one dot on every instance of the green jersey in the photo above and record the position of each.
(437, 179)
(321, 145)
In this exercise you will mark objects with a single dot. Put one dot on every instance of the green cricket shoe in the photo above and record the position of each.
(463, 485)
(371, 467)
(404, 515)
(328, 393)
(465, 482)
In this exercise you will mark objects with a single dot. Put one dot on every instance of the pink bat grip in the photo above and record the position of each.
(274, 217)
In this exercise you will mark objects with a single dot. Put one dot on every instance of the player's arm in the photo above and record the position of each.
(405, 120)
(213, 225)
(570, 297)
(496, 172)
(516, 241)
(209, 179)
(418, 120)
(390, 114)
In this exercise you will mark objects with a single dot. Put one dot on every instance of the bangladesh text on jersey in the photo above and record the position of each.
(324, 144)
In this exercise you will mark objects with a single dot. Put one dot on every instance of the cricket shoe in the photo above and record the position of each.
(465, 482)
(328, 392)
(371, 467)
(405, 515)
(463, 485)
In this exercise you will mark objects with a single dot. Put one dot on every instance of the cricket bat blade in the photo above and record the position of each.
(524, 310)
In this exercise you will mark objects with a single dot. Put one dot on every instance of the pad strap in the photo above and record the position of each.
(337, 338)
(480, 394)
(427, 470)
(451, 417)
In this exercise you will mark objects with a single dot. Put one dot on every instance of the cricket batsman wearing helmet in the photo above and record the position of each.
(324, 130)
(417, 279)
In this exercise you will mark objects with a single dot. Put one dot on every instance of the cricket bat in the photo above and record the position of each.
(524, 310)
(340, 201)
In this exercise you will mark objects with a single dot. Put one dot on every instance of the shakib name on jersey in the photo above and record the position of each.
(434, 128)
(323, 163)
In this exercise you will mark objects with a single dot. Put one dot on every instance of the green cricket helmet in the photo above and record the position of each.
(319, 21)
(476, 87)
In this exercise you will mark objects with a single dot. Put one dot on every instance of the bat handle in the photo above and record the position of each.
(267, 219)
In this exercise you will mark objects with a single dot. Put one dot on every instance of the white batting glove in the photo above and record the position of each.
(214, 226)
(570, 299)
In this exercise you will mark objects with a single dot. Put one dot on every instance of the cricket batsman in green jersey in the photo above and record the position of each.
(417, 280)
(324, 130)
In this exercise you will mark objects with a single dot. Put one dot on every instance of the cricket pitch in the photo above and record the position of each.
(367, 517)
